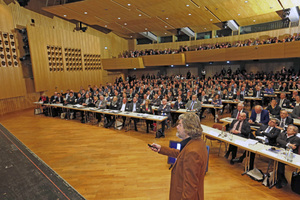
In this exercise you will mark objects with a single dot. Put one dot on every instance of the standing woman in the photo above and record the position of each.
(147, 108)
(216, 102)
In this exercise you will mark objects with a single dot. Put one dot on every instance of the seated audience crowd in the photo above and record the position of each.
(248, 42)
(275, 97)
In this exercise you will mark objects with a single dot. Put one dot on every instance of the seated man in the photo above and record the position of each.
(286, 139)
(239, 127)
(284, 119)
(259, 116)
(114, 105)
(135, 107)
(283, 102)
(194, 104)
(296, 112)
(270, 131)
(101, 104)
(164, 110)
(273, 108)
(179, 104)
(240, 109)
(204, 100)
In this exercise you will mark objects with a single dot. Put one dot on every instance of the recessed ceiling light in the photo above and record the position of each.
(140, 15)
(65, 15)
(105, 25)
(246, 1)
(165, 33)
(172, 65)
(187, 5)
(119, 17)
(146, 29)
(211, 19)
(187, 65)
(166, 26)
(167, 18)
(105, 47)
(129, 4)
(131, 36)
(254, 20)
(205, 28)
(190, 14)
(85, 13)
(239, 14)
(125, 24)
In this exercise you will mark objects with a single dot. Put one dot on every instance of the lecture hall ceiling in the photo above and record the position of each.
(163, 17)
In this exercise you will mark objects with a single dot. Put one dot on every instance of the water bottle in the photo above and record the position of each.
(230, 136)
(289, 156)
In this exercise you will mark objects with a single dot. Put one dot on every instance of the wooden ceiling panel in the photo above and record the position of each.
(290, 3)
(160, 16)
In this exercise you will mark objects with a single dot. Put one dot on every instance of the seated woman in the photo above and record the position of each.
(274, 109)
(216, 102)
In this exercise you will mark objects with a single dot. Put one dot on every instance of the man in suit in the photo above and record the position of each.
(257, 92)
(194, 104)
(240, 109)
(283, 102)
(71, 98)
(296, 112)
(101, 104)
(187, 176)
(284, 120)
(270, 131)
(134, 107)
(239, 127)
(156, 101)
(203, 99)
(259, 116)
(286, 139)
(164, 110)
(114, 105)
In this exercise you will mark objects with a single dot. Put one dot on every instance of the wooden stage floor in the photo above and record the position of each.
(106, 164)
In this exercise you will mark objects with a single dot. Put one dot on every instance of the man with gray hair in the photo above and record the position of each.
(286, 139)
(187, 176)
(259, 116)
(240, 108)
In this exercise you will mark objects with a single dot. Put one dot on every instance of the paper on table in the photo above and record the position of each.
(269, 153)
(214, 133)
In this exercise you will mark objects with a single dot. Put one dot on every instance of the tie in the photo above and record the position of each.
(192, 105)
(281, 123)
(238, 115)
(257, 94)
(238, 126)
(268, 129)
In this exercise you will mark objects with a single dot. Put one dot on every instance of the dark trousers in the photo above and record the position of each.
(149, 122)
(281, 172)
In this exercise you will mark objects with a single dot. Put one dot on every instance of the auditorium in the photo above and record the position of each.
(138, 100)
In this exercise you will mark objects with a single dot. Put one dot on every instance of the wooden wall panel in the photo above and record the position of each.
(122, 63)
(168, 59)
(205, 56)
(12, 83)
(292, 49)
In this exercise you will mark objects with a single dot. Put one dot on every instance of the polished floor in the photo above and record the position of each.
(106, 164)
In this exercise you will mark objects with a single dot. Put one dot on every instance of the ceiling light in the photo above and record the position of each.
(187, 65)
(125, 24)
(254, 20)
(239, 14)
(131, 36)
(166, 26)
(172, 65)
(105, 47)
(146, 29)
(246, 1)
(211, 20)
(105, 25)
(85, 13)
(165, 33)
(167, 18)
(140, 15)
(228, 62)
(205, 28)
(129, 4)
(65, 15)
(119, 17)
(190, 14)
(187, 5)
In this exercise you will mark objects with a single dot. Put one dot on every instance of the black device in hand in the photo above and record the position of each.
(152, 146)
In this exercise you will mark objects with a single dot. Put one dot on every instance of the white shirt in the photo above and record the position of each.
(258, 116)
(123, 107)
